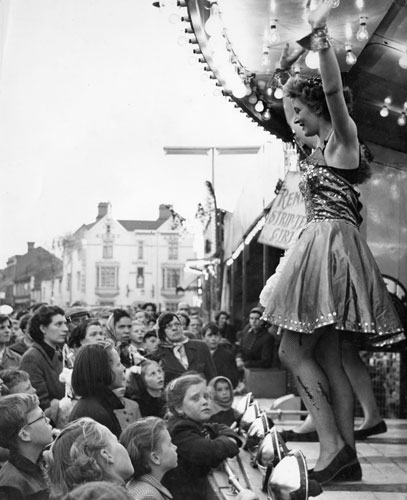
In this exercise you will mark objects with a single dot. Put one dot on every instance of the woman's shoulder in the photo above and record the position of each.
(178, 424)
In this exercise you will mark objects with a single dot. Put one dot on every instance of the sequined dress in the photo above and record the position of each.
(330, 276)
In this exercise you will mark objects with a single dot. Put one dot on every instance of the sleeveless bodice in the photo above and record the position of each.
(327, 195)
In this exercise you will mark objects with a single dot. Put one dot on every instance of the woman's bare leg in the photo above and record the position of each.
(361, 384)
(297, 352)
(329, 356)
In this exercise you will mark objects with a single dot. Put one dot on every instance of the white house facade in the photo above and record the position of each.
(127, 262)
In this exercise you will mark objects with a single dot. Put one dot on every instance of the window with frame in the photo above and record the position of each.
(140, 250)
(140, 277)
(108, 249)
(171, 277)
(106, 277)
(173, 248)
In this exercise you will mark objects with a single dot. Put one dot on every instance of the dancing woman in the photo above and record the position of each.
(330, 284)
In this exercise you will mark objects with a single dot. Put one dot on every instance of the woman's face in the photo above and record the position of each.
(167, 452)
(119, 458)
(173, 330)
(93, 335)
(56, 332)
(195, 404)
(307, 119)
(117, 368)
(122, 329)
(222, 391)
(154, 377)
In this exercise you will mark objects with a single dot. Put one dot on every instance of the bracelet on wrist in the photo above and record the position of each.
(318, 40)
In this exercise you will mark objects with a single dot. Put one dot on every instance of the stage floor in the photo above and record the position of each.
(383, 459)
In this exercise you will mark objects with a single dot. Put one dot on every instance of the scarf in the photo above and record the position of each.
(178, 350)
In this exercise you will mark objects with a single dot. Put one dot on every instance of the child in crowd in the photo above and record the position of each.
(151, 342)
(223, 358)
(136, 348)
(221, 391)
(17, 382)
(86, 451)
(152, 454)
(200, 444)
(147, 388)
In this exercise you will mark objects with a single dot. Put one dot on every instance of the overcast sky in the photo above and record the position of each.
(90, 92)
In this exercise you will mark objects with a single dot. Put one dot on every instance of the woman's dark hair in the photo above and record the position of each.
(150, 333)
(24, 321)
(220, 313)
(146, 304)
(176, 389)
(79, 332)
(186, 317)
(118, 314)
(212, 327)
(43, 317)
(164, 319)
(140, 439)
(92, 369)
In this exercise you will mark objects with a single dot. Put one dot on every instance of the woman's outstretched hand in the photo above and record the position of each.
(286, 59)
(318, 17)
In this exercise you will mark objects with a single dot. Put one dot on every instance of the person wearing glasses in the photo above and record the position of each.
(179, 354)
(25, 431)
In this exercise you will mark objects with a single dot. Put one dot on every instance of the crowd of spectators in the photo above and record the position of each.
(72, 382)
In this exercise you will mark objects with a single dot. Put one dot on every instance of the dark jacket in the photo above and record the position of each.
(20, 347)
(199, 359)
(101, 408)
(21, 479)
(10, 360)
(44, 373)
(256, 348)
(199, 448)
(225, 364)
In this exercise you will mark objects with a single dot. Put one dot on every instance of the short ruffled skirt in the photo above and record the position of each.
(330, 277)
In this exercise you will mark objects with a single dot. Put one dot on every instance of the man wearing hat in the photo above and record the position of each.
(256, 344)
(75, 315)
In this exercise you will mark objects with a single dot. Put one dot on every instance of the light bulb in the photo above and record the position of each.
(336, 4)
(350, 56)
(265, 61)
(259, 107)
(384, 111)
(387, 100)
(269, 91)
(362, 35)
(278, 93)
(266, 115)
(360, 4)
(312, 60)
(403, 60)
(253, 97)
(239, 90)
(213, 25)
(274, 34)
(401, 120)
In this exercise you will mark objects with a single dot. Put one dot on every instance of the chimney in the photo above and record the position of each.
(102, 209)
(164, 212)
(30, 246)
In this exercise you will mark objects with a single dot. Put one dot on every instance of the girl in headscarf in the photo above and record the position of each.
(221, 391)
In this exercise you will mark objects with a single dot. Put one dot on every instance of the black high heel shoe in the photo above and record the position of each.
(341, 463)
(379, 428)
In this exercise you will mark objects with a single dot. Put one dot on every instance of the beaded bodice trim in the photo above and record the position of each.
(327, 195)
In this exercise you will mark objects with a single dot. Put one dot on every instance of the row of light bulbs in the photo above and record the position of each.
(384, 112)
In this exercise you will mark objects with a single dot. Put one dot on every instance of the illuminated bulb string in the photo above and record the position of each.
(362, 35)
(350, 56)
